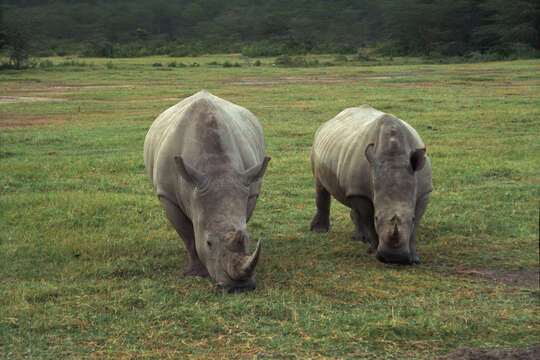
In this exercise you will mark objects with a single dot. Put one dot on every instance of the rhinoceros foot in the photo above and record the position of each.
(415, 258)
(320, 228)
(319, 225)
(194, 271)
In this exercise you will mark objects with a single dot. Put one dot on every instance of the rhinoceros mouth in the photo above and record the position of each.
(244, 286)
(400, 258)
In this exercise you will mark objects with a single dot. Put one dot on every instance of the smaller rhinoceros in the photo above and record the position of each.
(205, 157)
(375, 164)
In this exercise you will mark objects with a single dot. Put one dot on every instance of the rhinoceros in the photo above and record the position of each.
(206, 159)
(375, 164)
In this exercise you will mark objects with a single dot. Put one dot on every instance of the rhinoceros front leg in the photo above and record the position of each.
(321, 220)
(184, 228)
(362, 216)
(421, 206)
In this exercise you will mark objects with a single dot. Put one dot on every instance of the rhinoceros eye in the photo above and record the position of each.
(209, 244)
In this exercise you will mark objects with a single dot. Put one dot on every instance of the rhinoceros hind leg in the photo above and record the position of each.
(421, 206)
(321, 220)
(184, 228)
(362, 218)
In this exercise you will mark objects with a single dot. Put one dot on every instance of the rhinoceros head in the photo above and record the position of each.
(394, 201)
(219, 215)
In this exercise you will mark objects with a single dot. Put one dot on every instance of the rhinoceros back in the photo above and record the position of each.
(338, 153)
(205, 130)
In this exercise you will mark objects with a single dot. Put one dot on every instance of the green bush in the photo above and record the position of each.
(172, 64)
(46, 64)
(157, 64)
(364, 56)
(295, 61)
(73, 63)
(261, 49)
(341, 58)
(390, 48)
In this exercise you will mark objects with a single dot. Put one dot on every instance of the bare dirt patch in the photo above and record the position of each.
(528, 278)
(35, 92)
(293, 81)
(18, 121)
(16, 99)
(493, 354)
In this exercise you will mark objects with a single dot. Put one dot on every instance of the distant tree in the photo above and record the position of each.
(3, 33)
(141, 34)
(506, 23)
(17, 40)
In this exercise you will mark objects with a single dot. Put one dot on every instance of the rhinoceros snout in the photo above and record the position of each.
(247, 285)
(401, 258)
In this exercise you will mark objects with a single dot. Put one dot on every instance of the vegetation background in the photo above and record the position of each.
(119, 28)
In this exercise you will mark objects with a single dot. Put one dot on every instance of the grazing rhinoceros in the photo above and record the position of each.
(205, 157)
(376, 164)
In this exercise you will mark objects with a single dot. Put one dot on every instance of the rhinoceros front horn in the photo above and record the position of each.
(246, 266)
(251, 261)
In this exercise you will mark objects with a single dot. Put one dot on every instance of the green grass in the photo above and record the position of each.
(90, 268)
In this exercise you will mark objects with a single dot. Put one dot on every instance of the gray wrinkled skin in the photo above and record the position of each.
(205, 157)
(375, 164)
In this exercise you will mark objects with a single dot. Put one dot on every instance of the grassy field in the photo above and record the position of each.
(90, 267)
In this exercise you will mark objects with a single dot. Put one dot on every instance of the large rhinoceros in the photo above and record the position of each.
(205, 157)
(375, 164)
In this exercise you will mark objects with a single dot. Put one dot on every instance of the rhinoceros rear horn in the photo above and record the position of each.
(189, 173)
(256, 172)
(246, 266)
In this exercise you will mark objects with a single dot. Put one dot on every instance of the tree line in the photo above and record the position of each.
(120, 28)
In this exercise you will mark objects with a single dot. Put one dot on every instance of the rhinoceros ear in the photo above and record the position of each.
(370, 154)
(256, 172)
(418, 159)
(189, 173)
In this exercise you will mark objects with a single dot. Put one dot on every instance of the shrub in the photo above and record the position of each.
(172, 64)
(284, 60)
(363, 56)
(110, 65)
(227, 64)
(261, 49)
(296, 61)
(46, 64)
(343, 49)
(257, 63)
(73, 63)
(158, 64)
(390, 48)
